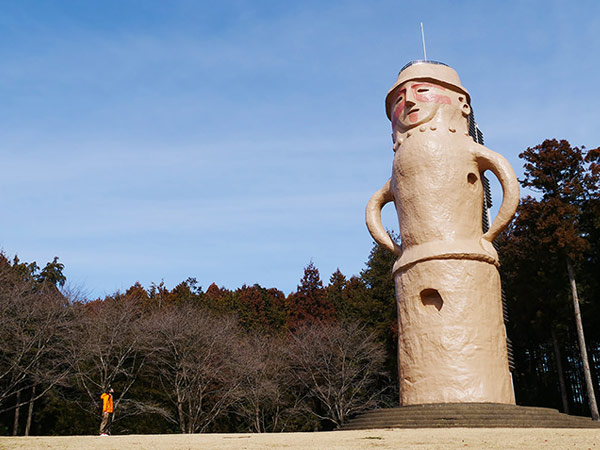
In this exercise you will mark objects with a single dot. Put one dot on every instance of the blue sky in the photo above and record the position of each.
(235, 141)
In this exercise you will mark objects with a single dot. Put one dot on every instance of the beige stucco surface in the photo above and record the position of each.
(454, 351)
(452, 342)
(430, 439)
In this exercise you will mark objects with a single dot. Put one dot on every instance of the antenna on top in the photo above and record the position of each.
(423, 37)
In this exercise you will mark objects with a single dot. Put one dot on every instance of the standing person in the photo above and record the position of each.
(107, 411)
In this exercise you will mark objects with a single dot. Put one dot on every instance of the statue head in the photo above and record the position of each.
(426, 90)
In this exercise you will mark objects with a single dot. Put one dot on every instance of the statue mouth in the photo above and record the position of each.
(412, 111)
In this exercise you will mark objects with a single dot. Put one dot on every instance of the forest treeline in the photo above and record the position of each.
(188, 360)
(191, 359)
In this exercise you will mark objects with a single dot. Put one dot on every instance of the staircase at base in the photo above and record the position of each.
(467, 415)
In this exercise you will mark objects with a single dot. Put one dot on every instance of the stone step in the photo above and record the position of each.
(470, 415)
(496, 407)
(458, 412)
(471, 424)
(479, 417)
(469, 418)
(459, 419)
(523, 417)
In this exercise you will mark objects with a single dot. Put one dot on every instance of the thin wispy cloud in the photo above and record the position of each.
(234, 142)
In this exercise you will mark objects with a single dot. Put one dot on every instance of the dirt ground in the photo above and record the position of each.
(447, 438)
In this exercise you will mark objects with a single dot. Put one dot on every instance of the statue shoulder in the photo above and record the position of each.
(477, 149)
(484, 155)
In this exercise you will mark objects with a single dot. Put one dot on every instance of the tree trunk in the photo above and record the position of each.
(561, 375)
(180, 416)
(16, 420)
(586, 366)
(191, 420)
(257, 419)
(30, 411)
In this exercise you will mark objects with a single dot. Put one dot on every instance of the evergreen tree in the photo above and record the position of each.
(259, 309)
(567, 184)
(309, 303)
(53, 273)
(374, 302)
(336, 294)
(535, 285)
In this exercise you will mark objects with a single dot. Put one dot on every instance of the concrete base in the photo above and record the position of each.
(467, 415)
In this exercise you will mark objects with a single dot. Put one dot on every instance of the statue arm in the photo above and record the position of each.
(373, 218)
(489, 160)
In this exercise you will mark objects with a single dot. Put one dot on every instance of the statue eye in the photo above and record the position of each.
(422, 90)
(400, 98)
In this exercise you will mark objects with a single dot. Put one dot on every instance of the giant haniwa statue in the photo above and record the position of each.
(452, 339)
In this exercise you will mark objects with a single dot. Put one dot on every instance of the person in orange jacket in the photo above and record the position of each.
(107, 411)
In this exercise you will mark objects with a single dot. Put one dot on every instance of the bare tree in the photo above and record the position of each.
(33, 319)
(107, 347)
(338, 366)
(194, 360)
(267, 402)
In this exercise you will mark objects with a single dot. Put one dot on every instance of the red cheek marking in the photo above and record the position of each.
(397, 112)
(413, 117)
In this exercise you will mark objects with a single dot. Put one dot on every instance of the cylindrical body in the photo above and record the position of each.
(452, 340)
(438, 195)
(437, 188)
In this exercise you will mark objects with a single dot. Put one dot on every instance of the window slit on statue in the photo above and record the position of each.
(432, 297)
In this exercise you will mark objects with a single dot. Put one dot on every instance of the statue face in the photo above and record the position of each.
(417, 102)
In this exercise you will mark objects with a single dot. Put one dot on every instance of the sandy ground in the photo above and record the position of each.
(447, 438)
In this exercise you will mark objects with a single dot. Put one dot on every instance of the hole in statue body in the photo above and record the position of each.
(432, 297)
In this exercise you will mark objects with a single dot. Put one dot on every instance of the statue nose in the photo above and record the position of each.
(410, 98)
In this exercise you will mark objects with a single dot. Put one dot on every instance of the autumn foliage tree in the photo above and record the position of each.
(309, 303)
(259, 309)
